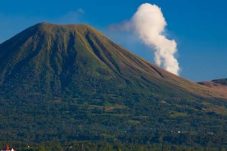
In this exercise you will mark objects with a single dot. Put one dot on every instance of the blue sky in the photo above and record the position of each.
(198, 26)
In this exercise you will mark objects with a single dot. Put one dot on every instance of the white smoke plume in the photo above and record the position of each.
(149, 23)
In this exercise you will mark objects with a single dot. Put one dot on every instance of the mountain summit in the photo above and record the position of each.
(83, 86)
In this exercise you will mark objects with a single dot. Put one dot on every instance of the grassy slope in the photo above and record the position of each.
(58, 54)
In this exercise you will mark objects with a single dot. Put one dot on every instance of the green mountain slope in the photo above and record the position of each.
(70, 82)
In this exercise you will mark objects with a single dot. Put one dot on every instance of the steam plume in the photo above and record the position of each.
(149, 23)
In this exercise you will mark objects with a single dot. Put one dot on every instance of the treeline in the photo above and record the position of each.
(103, 146)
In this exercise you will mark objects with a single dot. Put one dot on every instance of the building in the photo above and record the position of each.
(7, 148)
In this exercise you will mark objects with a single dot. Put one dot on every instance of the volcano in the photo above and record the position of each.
(70, 82)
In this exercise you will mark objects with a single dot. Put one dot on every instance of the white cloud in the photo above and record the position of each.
(149, 24)
(71, 17)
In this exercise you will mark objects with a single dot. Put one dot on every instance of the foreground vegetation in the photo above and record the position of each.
(102, 146)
